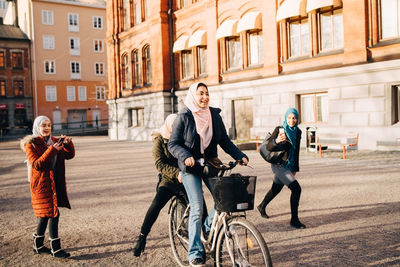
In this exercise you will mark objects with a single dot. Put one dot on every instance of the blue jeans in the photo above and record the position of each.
(194, 190)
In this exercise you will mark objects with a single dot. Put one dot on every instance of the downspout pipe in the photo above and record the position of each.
(171, 55)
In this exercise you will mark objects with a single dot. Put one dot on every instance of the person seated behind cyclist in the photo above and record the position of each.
(196, 132)
(169, 185)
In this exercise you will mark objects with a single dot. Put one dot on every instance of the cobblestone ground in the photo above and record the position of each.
(351, 208)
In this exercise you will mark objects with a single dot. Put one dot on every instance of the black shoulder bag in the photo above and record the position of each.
(274, 157)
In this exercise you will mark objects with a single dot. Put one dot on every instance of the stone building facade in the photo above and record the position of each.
(337, 62)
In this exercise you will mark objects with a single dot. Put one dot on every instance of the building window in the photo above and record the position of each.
(75, 70)
(2, 59)
(255, 48)
(147, 65)
(51, 93)
(17, 59)
(2, 88)
(125, 72)
(202, 59)
(3, 4)
(71, 93)
(187, 64)
(126, 14)
(100, 93)
(82, 93)
(18, 88)
(233, 52)
(49, 67)
(97, 22)
(137, 14)
(184, 3)
(314, 107)
(136, 117)
(395, 104)
(74, 46)
(99, 68)
(390, 19)
(299, 37)
(136, 69)
(146, 9)
(73, 22)
(47, 17)
(48, 42)
(98, 46)
(331, 28)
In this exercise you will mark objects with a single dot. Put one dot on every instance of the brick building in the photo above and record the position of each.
(337, 62)
(15, 80)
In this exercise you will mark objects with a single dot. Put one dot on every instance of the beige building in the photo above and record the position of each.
(69, 73)
(336, 61)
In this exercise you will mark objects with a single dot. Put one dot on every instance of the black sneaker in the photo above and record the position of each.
(199, 262)
(297, 224)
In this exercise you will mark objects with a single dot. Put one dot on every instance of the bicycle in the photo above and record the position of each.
(233, 240)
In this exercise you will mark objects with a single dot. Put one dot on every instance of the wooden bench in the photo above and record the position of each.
(344, 141)
(395, 144)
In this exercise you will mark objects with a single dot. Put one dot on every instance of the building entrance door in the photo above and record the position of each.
(57, 120)
(76, 118)
(243, 109)
(96, 118)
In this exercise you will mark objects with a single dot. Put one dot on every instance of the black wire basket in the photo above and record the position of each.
(233, 193)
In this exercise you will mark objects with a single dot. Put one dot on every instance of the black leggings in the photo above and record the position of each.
(161, 198)
(53, 226)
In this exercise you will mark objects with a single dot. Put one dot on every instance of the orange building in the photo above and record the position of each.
(69, 68)
(336, 61)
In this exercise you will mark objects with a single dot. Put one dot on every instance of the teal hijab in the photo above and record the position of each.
(291, 134)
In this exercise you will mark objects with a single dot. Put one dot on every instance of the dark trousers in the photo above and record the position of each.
(53, 226)
(161, 198)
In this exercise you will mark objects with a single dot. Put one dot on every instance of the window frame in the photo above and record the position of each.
(125, 74)
(48, 61)
(71, 97)
(395, 108)
(187, 57)
(315, 110)
(47, 15)
(48, 42)
(100, 90)
(100, 43)
(82, 93)
(4, 59)
(289, 22)
(76, 42)
(133, 117)
(136, 69)
(75, 70)
(50, 94)
(201, 65)
(147, 77)
(99, 68)
(75, 19)
(324, 10)
(3, 87)
(17, 60)
(239, 56)
(260, 52)
(96, 21)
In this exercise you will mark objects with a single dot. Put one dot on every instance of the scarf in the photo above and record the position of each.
(202, 117)
(291, 134)
(166, 128)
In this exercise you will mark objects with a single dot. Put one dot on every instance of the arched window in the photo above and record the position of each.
(125, 72)
(136, 73)
(146, 65)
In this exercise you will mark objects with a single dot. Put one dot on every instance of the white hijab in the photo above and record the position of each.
(166, 128)
(202, 117)
(36, 128)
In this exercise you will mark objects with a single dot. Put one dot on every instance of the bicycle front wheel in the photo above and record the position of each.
(178, 231)
(241, 245)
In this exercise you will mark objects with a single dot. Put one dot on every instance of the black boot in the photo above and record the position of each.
(56, 250)
(294, 205)
(272, 193)
(140, 245)
(38, 246)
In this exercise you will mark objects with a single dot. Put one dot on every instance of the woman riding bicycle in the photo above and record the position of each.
(196, 132)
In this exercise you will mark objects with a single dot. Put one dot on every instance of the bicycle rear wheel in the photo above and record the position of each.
(241, 245)
(178, 231)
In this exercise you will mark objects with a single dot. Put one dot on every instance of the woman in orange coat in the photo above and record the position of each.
(46, 155)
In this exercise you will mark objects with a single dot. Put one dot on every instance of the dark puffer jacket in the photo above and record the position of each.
(273, 146)
(185, 141)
